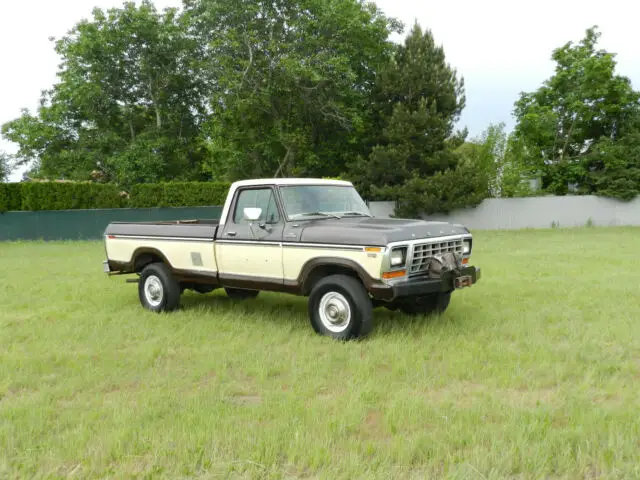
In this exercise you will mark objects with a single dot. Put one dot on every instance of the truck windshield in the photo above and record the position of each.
(329, 201)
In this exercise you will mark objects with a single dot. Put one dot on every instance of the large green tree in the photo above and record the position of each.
(583, 107)
(128, 104)
(417, 101)
(293, 82)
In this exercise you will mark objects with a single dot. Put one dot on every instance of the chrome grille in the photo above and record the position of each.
(422, 252)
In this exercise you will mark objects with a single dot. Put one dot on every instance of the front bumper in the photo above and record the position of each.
(448, 282)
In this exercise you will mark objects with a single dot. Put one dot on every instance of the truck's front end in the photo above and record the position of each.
(420, 275)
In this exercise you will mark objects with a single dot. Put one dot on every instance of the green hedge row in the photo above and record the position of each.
(70, 196)
(178, 194)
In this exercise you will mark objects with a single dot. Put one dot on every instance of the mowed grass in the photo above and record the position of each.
(532, 373)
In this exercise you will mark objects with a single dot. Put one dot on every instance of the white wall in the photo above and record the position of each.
(535, 212)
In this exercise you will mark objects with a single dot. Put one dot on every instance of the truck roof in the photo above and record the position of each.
(274, 181)
(289, 181)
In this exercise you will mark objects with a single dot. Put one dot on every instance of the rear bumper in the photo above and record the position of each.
(448, 282)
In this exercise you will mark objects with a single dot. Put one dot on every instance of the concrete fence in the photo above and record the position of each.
(535, 212)
(492, 214)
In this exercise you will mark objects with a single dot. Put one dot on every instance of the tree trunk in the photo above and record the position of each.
(283, 164)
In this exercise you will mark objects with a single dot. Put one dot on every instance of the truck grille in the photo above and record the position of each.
(423, 251)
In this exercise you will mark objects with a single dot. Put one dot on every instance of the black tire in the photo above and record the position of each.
(433, 304)
(338, 289)
(158, 289)
(240, 294)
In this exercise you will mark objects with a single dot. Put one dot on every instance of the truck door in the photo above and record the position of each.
(250, 250)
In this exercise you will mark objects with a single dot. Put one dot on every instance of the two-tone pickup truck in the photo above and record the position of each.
(309, 237)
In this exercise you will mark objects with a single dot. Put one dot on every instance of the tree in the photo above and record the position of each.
(496, 158)
(292, 82)
(6, 166)
(418, 100)
(562, 124)
(128, 105)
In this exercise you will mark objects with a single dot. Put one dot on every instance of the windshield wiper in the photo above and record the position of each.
(319, 214)
(355, 214)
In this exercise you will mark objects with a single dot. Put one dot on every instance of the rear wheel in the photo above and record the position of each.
(433, 304)
(339, 307)
(158, 290)
(240, 294)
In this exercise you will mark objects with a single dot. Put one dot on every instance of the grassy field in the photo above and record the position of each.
(533, 373)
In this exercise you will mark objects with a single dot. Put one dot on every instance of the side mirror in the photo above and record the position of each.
(252, 214)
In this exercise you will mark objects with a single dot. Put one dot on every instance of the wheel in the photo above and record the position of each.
(435, 303)
(240, 294)
(158, 290)
(339, 307)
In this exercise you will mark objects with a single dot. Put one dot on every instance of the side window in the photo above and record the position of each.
(257, 198)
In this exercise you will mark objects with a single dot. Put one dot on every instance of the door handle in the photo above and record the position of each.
(231, 234)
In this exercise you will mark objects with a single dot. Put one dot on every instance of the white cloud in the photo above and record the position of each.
(501, 47)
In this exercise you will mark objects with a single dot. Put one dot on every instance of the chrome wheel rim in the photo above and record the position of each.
(335, 312)
(153, 290)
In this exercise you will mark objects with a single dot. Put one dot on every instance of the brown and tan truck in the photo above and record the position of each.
(308, 237)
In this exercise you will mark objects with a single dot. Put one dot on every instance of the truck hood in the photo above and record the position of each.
(374, 231)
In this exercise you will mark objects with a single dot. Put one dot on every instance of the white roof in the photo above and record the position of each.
(289, 181)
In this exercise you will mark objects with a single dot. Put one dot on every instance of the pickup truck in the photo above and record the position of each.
(308, 237)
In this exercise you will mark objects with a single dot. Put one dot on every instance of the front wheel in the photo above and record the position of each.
(433, 304)
(339, 307)
(158, 289)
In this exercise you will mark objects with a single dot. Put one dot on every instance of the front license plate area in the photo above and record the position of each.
(464, 281)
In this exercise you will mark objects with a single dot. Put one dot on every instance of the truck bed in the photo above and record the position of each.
(200, 229)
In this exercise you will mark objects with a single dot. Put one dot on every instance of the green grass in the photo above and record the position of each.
(532, 373)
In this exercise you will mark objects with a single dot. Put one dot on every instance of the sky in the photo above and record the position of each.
(499, 47)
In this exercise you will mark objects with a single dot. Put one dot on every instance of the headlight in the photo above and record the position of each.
(466, 247)
(398, 256)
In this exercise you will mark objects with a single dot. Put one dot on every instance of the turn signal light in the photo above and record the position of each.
(396, 274)
(465, 261)
(373, 249)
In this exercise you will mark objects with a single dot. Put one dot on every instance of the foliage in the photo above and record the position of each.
(497, 158)
(179, 194)
(67, 195)
(88, 195)
(10, 196)
(562, 124)
(127, 105)
(418, 99)
(6, 166)
(614, 167)
(292, 82)
(440, 193)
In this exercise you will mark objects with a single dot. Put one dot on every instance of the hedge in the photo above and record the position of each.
(178, 194)
(10, 196)
(70, 196)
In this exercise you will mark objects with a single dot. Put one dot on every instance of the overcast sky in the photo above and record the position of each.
(500, 47)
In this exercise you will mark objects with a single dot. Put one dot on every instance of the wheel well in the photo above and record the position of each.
(143, 259)
(322, 271)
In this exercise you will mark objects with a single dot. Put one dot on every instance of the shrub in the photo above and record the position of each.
(85, 195)
(10, 196)
(70, 196)
(179, 194)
